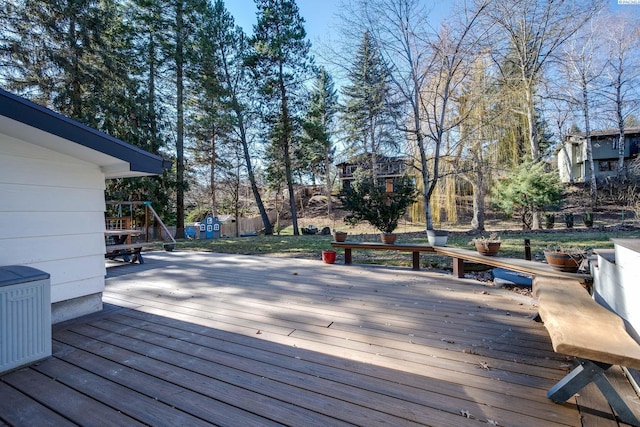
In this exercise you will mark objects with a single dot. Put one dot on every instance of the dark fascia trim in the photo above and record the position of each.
(39, 117)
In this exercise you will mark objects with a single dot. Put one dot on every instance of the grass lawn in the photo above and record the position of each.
(310, 247)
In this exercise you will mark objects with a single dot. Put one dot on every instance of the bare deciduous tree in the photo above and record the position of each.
(529, 34)
(622, 40)
(582, 67)
(428, 67)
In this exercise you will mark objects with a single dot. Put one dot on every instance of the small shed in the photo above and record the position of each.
(52, 180)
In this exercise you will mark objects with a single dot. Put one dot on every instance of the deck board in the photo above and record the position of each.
(212, 339)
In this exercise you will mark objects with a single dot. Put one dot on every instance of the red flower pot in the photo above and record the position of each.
(329, 257)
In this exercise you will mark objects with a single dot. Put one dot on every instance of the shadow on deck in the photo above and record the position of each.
(213, 339)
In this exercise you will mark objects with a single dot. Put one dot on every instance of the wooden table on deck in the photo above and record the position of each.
(130, 252)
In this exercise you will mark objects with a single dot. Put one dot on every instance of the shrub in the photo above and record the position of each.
(528, 189)
(368, 201)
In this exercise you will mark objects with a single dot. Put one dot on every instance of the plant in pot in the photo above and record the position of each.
(566, 259)
(339, 236)
(488, 246)
(369, 201)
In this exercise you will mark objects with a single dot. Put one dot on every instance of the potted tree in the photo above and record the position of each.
(339, 236)
(488, 246)
(368, 201)
(564, 259)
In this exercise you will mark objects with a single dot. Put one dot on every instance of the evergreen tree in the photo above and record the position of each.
(281, 63)
(79, 58)
(211, 118)
(368, 114)
(63, 54)
(231, 49)
(317, 148)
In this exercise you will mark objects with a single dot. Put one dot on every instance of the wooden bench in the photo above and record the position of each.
(458, 256)
(415, 249)
(533, 268)
(580, 327)
(125, 251)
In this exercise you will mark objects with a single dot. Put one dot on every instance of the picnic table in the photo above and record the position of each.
(116, 245)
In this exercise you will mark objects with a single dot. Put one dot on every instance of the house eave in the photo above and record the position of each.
(27, 121)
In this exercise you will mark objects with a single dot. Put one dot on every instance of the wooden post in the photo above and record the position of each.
(347, 256)
(458, 267)
(146, 223)
(527, 249)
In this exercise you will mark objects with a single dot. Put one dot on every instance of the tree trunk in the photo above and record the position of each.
(621, 142)
(477, 223)
(179, 61)
(589, 148)
(568, 164)
(425, 181)
(212, 177)
(285, 141)
(536, 216)
(533, 129)
(238, 111)
(268, 229)
(327, 178)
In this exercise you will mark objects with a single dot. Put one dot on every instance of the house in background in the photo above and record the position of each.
(573, 164)
(389, 170)
(52, 204)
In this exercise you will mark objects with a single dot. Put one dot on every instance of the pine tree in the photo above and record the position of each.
(231, 48)
(368, 114)
(281, 64)
(317, 148)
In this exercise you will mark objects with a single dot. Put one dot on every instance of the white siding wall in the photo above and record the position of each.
(52, 217)
(564, 165)
(616, 283)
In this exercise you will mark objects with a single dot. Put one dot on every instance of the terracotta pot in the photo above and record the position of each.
(388, 238)
(488, 249)
(561, 261)
(340, 236)
(329, 257)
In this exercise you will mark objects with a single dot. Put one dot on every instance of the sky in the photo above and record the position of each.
(321, 15)
(321, 18)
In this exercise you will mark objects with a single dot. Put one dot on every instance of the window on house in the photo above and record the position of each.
(607, 166)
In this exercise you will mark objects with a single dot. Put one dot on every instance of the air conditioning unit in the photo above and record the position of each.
(25, 316)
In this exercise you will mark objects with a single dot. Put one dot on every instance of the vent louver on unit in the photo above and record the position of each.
(25, 316)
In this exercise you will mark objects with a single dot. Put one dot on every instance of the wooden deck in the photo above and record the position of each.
(212, 339)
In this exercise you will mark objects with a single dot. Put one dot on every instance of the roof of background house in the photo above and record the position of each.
(606, 132)
(27, 121)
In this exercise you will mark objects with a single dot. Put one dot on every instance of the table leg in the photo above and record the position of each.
(347, 256)
(416, 260)
(458, 267)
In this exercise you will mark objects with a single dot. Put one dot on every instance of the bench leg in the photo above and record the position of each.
(347, 256)
(137, 256)
(458, 267)
(416, 260)
(582, 375)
